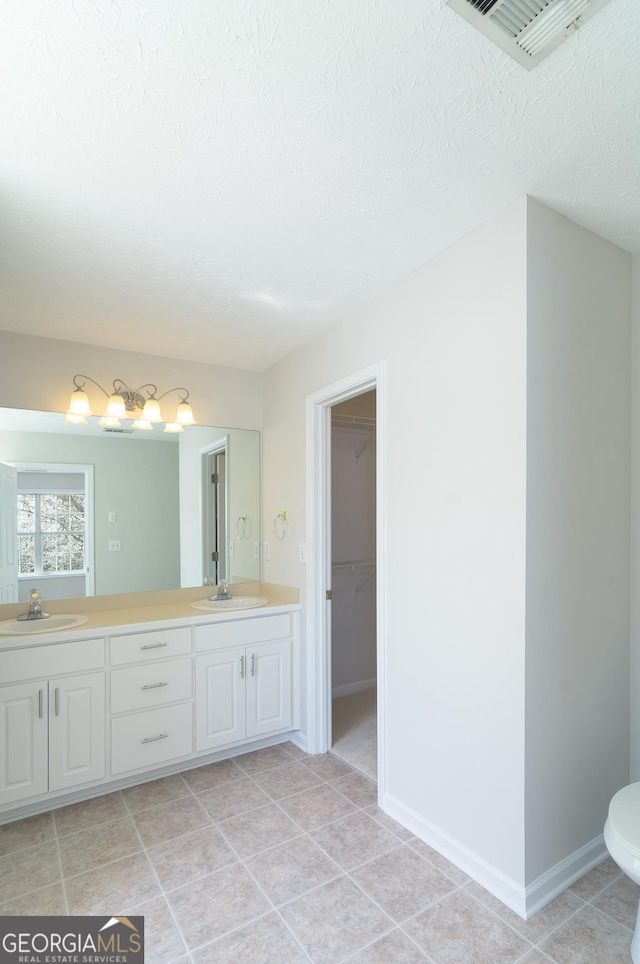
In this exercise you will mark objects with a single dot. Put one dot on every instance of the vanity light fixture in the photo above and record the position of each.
(124, 403)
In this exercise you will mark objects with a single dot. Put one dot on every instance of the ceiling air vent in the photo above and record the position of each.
(527, 30)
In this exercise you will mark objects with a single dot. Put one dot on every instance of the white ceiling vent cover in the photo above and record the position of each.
(527, 30)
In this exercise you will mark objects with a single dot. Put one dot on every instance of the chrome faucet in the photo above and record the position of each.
(223, 590)
(35, 607)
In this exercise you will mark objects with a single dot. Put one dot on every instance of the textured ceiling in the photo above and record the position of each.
(220, 181)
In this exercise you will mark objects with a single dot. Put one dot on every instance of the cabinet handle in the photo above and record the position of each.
(153, 646)
(242, 667)
(253, 664)
(152, 739)
(56, 701)
(152, 686)
(40, 704)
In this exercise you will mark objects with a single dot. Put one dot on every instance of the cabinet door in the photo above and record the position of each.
(268, 687)
(23, 741)
(77, 730)
(220, 698)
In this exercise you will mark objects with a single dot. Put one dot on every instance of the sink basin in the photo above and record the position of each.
(25, 627)
(228, 605)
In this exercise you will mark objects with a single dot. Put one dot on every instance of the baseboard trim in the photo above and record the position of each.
(348, 688)
(523, 901)
(543, 890)
(299, 739)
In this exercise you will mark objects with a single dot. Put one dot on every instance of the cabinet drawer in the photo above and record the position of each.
(243, 632)
(150, 738)
(157, 644)
(41, 662)
(140, 687)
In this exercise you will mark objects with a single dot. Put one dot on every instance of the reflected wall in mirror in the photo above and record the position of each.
(148, 504)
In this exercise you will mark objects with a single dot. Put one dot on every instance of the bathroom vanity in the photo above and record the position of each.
(135, 694)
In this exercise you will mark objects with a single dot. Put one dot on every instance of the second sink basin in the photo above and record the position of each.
(24, 627)
(226, 605)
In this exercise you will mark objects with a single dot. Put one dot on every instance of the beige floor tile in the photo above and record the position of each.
(327, 767)
(123, 883)
(162, 941)
(360, 790)
(389, 823)
(313, 808)
(444, 866)
(394, 948)
(265, 759)
(294, 751)
(91, 849)
(265, 941)
(252, 832)
(538, 926)
(459, 930)
(334, 920)
(596, 880)
(292, 869)
(354, 839)
(217, 904)
(535, 957)
(170, 820)
(212, 775)
(46, 902)
(402, 883)
(589, 937)
(620, 901)
(89, 813)
(28, 870)
(185, 859)
(26, 833)
(283, 781)
(232, 799)
(155, 792)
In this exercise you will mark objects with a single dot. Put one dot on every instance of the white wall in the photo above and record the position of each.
(577, 642)
(454, 338)
(36, 373)
(635, 522)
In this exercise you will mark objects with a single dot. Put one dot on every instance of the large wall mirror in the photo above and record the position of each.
(89, 511)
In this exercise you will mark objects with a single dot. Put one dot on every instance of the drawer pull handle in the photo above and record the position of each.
(40, 704)
(56, 700)
(242, 667)
(152, 686)
(153, 646)
(152, 739)
(253, 664)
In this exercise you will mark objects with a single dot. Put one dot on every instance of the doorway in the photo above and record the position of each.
(353, 583)
(214, 514)
(318, 693)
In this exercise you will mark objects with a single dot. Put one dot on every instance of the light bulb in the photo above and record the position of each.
(115, 407)
(79, 403)
(151, 411)
(173, 427)
(142, 423)
(184, 415)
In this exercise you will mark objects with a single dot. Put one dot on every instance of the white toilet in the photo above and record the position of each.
(622, 837)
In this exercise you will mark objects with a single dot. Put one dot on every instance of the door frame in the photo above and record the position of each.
(207, 455)
(318, 622)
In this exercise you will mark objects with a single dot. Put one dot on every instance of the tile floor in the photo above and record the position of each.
(280, 858)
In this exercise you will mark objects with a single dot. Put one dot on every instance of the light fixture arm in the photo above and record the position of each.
(183, 398)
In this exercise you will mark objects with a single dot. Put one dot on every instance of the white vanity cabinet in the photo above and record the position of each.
(83, 716)
(244, 690)
(52, 726)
